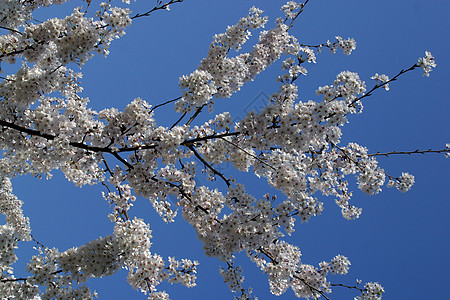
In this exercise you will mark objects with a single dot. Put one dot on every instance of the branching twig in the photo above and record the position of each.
(379, 85)
(158, 7)
(197, 112)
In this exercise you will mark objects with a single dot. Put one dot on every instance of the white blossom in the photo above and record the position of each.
(427, 63)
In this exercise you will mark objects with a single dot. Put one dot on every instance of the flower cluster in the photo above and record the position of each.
(289, 9)
(347, 85)
(14, 13)
(8, 243)
(101, 257)
(17, 227)
(427, 63)
(147, 270)
(372, 291)
(10, 207)
(58, 283)
(200, 90)
(347, 46)
(403, 183)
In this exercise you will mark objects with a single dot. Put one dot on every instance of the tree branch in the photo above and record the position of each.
(158, 7)
(167, 102)
(417, 151)
(348, 286)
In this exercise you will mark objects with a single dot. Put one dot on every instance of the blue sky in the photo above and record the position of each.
(401, 240)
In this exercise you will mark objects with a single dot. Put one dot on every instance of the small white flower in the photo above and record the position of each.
(427, 63)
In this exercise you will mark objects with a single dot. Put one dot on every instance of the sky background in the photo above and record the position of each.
(401, 240)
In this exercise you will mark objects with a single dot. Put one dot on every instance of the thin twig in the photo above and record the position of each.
(377, 86)
(178, 121)
(197, 112)
(167, 102)
(159, 7)
(348, 286)
(417, 151)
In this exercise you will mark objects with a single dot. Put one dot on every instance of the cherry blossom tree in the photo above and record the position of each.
(293, 144)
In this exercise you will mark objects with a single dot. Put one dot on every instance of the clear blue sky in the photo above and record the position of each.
(401, 240)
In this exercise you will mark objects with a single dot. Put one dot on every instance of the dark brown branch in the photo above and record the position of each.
(186, 143)
(178, 121)
(108, 169)
(362, 290)
(15, 52)
(375, 87)
(26, 278)
(14, 279)
(197, 112)
(27, 130)
(12, 30)
(209, 137)
(348, 286)
(319, 46)
(108, 148)
(37, 242)
(51, 137)
(116, 155)
(129, 149)
(74, 144)
(209, 166)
